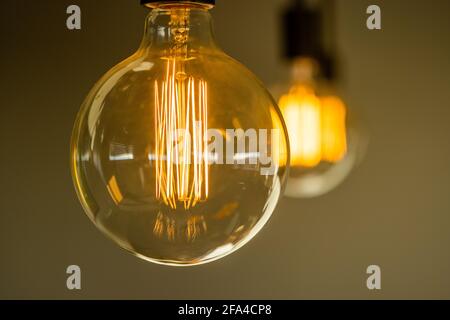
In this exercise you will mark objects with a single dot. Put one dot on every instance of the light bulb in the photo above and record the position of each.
(179, 154)
(325, 139)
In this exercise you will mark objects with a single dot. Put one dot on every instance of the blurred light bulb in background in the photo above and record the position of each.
(325, 139)
(148, 140)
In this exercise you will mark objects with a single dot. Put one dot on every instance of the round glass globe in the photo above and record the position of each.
(327, 139)
(177, 213)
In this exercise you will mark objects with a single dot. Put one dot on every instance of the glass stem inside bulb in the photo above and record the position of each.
(179, 29)
(304, 70)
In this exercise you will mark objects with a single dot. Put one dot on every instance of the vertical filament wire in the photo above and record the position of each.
(181, 112)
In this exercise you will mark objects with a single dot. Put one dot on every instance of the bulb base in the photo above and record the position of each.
(302, 35)
(154, 3)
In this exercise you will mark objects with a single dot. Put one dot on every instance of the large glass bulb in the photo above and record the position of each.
(178, 153)
(325, 138)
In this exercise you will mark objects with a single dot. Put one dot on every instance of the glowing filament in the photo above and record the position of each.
(334, 141)
(181, 161)
(316, 127)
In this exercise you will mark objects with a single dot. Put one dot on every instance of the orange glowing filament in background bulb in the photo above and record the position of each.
(334, 137)
(316, 127)
(181, 155)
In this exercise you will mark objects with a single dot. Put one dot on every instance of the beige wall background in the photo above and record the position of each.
(394, 210)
